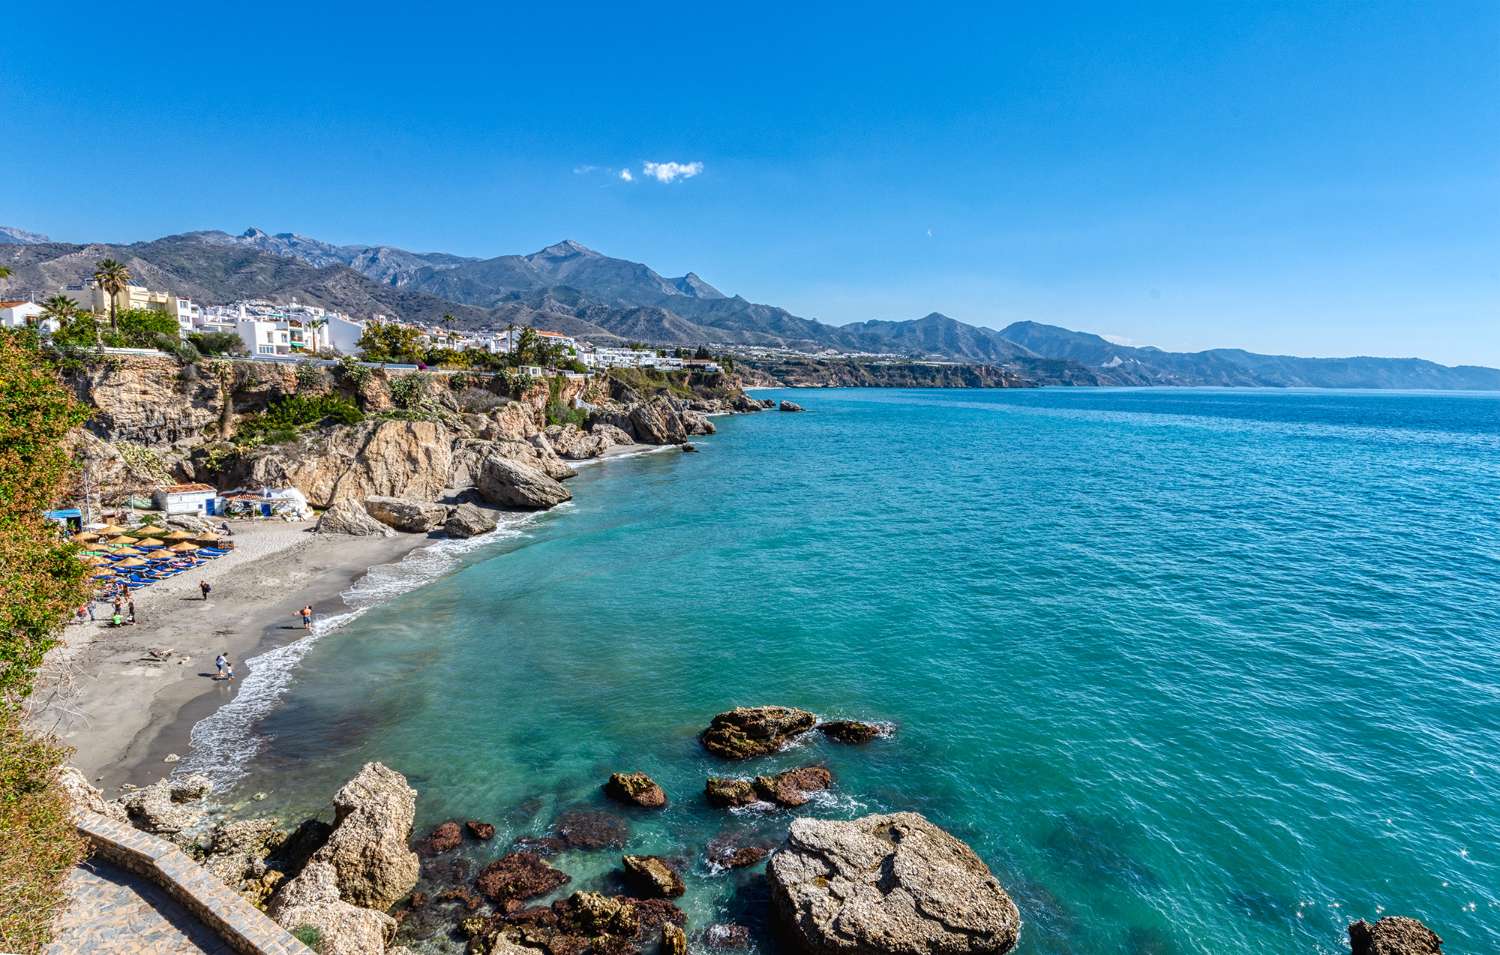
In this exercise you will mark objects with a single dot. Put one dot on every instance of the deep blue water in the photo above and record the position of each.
(1193, 670)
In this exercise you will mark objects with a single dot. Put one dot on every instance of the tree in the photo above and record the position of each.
(387, 341)
(113, 277)
(59, 308)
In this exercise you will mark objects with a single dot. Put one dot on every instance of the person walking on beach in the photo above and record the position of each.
(306, 617)
(130, 604)
(221, 661)
(117, 606)
(90, 608)
(203, 586)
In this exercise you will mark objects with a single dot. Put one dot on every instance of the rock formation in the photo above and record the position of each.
(389, 458)
(469, 520)
(673, 940)
(1393, 935)
(444, 837)
(636, 789)
(313, 899)
(730, 793)
(790, 406)
(888, 885)
(510, 483)
(84, 795)
(168, 807)
(852, 732)
(517, 876)
(405, 514)
(652, 877)
(749, 731)
(787, 789)
(368, 849)
(350, 517)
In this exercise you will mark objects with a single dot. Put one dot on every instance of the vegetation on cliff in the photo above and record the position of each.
(40, 584)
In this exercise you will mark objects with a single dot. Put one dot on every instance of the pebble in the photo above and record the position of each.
(170, 758)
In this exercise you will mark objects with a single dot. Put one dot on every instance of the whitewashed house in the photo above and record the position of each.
(185, 499)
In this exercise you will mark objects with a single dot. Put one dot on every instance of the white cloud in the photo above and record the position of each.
(671, 171)
(625, 175)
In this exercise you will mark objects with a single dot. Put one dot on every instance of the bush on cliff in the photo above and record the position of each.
(41, 582)
(289, 416)
(217, 343)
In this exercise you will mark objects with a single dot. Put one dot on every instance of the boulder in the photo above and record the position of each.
(727, 935)
(509, 483)
(635, 789)
(590, 829)
(237, 852)
(84, 795)
(730, 793)
(1393, 935)
(790, 788)
(673, 940)
(851, 732)
(167, 807)
(790, 406)
(517, 876)
(444, 837)
(888, 884)
(349, 517)
(652, 877)
(369, 847)
(480, 830)
(312, 899)
(688, 447)
(725, 854)
(748, 731)
(405, 514)
(469, 520)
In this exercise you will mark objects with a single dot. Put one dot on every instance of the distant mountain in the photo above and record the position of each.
(12, 236)
(571, 288)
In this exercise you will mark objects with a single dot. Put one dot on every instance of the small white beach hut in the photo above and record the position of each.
(184, 499)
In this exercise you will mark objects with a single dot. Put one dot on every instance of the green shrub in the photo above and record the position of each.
(289, 416)
(217, 343)
(308, 935)
(409, 391)
(351, 371)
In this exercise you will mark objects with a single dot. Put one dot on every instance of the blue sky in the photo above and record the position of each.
(1303, 178)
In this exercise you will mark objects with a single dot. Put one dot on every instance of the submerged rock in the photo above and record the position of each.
(369, 847)
(510, 483)
(313, 899)
(405, 514)
(852, 732)
(480, 830)
(652, 877)
(469, 520)
(590, 829)
(727, 935)
(892, 884)
(517, 876)
(724, 853)
(349, 517)
(1393, 935)
(444, 837)
(635, 789)
(748, 731)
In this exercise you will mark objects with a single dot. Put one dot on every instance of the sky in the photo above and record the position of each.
(1295, 178)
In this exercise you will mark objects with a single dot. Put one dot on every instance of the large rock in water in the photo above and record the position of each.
(1393, 935)
(405, 514)
(790, 406)
(510, 483)
(888, 885)
(469, 520)
(313, 899)
(369, 848)
(350, 517)
(748, 731)
(636, 789)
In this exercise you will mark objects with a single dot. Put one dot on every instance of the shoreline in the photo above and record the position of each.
(124, 712)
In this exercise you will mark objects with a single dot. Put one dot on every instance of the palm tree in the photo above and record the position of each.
(59, 307)
(113, 277)
(4, 272)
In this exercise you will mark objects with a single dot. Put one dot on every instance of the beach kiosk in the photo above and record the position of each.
(185, 499)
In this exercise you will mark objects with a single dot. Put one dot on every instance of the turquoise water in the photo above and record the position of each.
(1193, 670)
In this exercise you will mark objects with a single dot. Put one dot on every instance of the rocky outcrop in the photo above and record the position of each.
(790, 406)
(730, 793)
(350, 517)
(168, 807)
(787, 789)
(388, 458)
(517, 876)
(444, 837)
(888, 885)
(480, 830)
(659, 420)
(749, 731)
(575, 444)
(851, 732)
(469, 520)
(652, 877)
(726, 854)
(405, 514)
(84, 795)
(368, 849)
(673, 940)
(149, 401)
(636, 789)
(1393, 935)
(509, 483)
(237, 853)
(313, 899)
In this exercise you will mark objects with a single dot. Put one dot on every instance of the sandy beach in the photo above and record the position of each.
(126, 698)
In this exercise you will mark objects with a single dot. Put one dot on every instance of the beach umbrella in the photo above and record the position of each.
(183, 547)
(150, 530)
(131, 562)
(181, 535)
(91, 560)
(149, 542)
(122, 540)
(109, 530)
(86, 537)
(125, 552)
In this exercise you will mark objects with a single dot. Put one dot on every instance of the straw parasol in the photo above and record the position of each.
(150, 530)
(91, 560)
(181, 535)
(126, 552)
(85, 537)
(131, 562)
(150, 542)
(109, 530)
(122, 540)
(183, 547)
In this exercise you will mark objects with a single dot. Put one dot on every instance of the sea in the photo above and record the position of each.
(1192, 670)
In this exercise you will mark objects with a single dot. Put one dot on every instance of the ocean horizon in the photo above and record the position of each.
(1192, 670)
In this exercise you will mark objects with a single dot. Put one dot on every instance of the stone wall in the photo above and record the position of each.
(244, 927)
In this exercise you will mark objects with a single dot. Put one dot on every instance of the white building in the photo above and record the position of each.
(184, 498)
(270, 329)
(20, 314)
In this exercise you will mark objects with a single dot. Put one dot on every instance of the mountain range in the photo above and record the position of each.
(570, 288)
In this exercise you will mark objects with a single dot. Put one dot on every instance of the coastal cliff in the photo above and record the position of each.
(857, 373)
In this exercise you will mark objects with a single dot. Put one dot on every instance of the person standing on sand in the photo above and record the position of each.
(130, 605)
(90, 608)
(228, 670)
(117, 606)
(306, 617)
(203, 586)
(221, 661)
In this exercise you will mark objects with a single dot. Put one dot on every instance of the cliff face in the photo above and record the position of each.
(851, 373)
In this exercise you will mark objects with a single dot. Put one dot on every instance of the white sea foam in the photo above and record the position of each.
(223, 743)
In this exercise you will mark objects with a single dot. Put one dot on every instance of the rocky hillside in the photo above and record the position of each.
(863, 373)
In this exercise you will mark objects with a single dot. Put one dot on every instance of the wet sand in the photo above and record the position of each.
(124, 711)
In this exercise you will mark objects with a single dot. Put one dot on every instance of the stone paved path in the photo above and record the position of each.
(117, 913)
